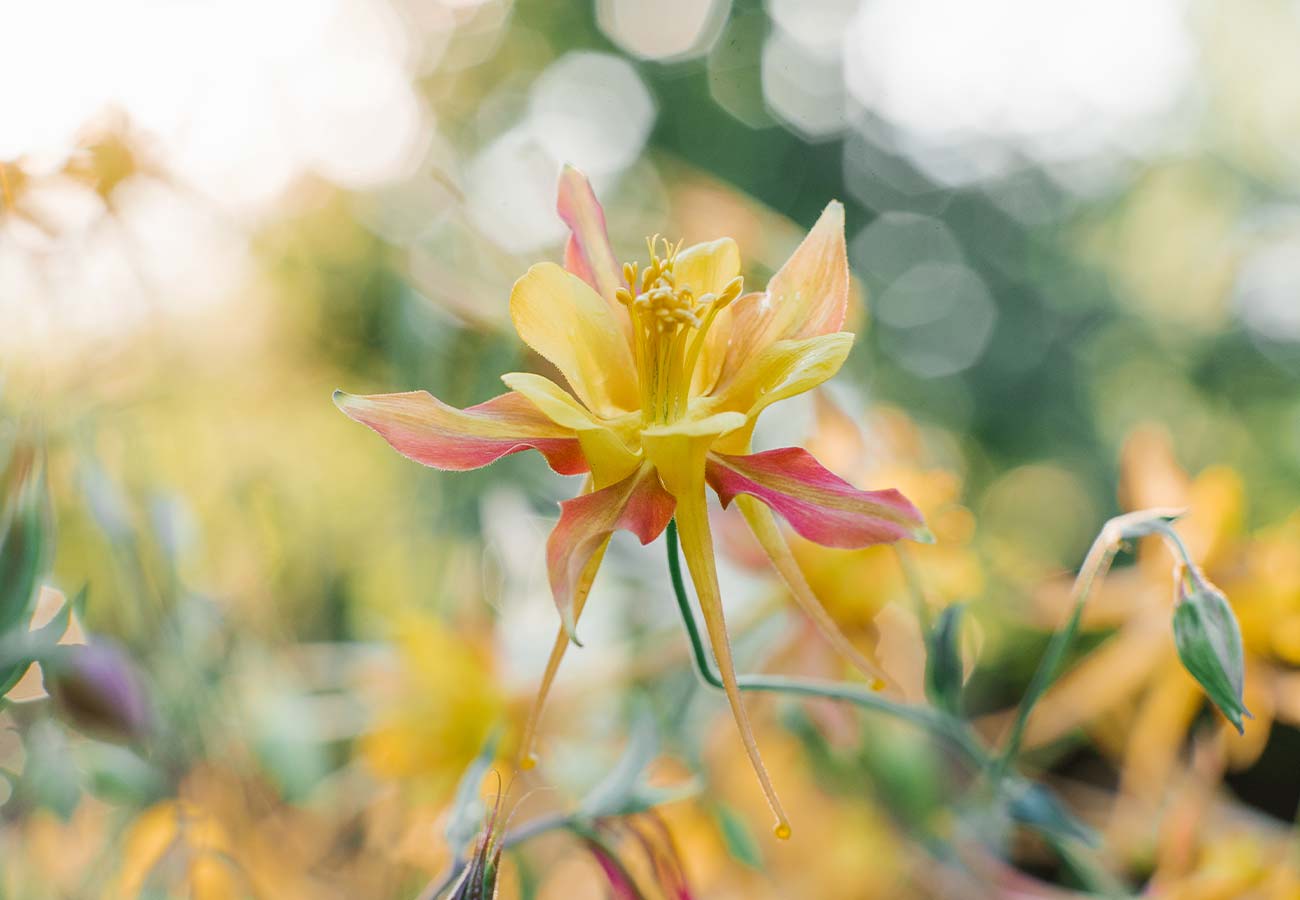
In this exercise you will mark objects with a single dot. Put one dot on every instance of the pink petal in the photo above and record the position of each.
(817, 503)
(423, 428)
(588, 253)
(638, 504)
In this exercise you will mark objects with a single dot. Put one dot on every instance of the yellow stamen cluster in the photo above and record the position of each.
(669, 323)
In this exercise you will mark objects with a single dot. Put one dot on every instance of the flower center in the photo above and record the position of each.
(669, 323)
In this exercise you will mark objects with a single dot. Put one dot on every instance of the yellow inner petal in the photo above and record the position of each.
(783, 370)
(562, 318)
(606, 443)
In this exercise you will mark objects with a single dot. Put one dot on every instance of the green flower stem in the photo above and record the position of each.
(1093, 878)
(1100, 555)
(1095, 565)
(936, 722)
(912, 577)
(1175, 542)
(596, 842)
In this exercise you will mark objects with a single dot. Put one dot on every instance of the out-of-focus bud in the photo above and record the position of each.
(943, 664)
(479, 880)
(1209, 644)
(98, 689)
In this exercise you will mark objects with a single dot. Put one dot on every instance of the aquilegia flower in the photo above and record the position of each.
(668, 368)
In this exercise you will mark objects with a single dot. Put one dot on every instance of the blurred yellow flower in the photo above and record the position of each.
(205, 866)
(437, 712)
(1231, 867)
(1209, 850)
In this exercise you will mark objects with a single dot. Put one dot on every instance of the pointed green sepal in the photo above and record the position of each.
(1209, 644)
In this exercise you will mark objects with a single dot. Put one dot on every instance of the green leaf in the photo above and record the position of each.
(624, 791)
(943, 665)
(26, 532)
(48, 635)
(78, 603)
(118, 775)
(618, 792)
(11, 674)
(20, 648)
(737, 836)
(1209, 644)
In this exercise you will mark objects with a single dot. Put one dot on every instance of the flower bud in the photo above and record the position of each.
(944, 672)
(1209, 644)
(99, 691)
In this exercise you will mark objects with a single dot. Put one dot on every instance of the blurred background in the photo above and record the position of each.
(1075, 235)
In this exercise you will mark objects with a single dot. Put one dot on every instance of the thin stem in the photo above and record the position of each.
(932, 721)
(1098, 560)
(1094, 879)
(914, 587)
(1174, 541)
(608, 859)
(1101, 554)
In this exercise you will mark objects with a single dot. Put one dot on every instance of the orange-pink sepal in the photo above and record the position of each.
(421, 427)
(818, 504)
(588, 253)
(638, 504)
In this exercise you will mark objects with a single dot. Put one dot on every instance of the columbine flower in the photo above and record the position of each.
(669, 366)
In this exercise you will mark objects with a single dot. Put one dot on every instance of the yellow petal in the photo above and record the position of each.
(605, 444)
(153, 831)
(562, 318)
(677, 451)
(1158, 730)
(807, 297)
(707, 268)
(713, 353)
(781, 371)
(697, 547)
